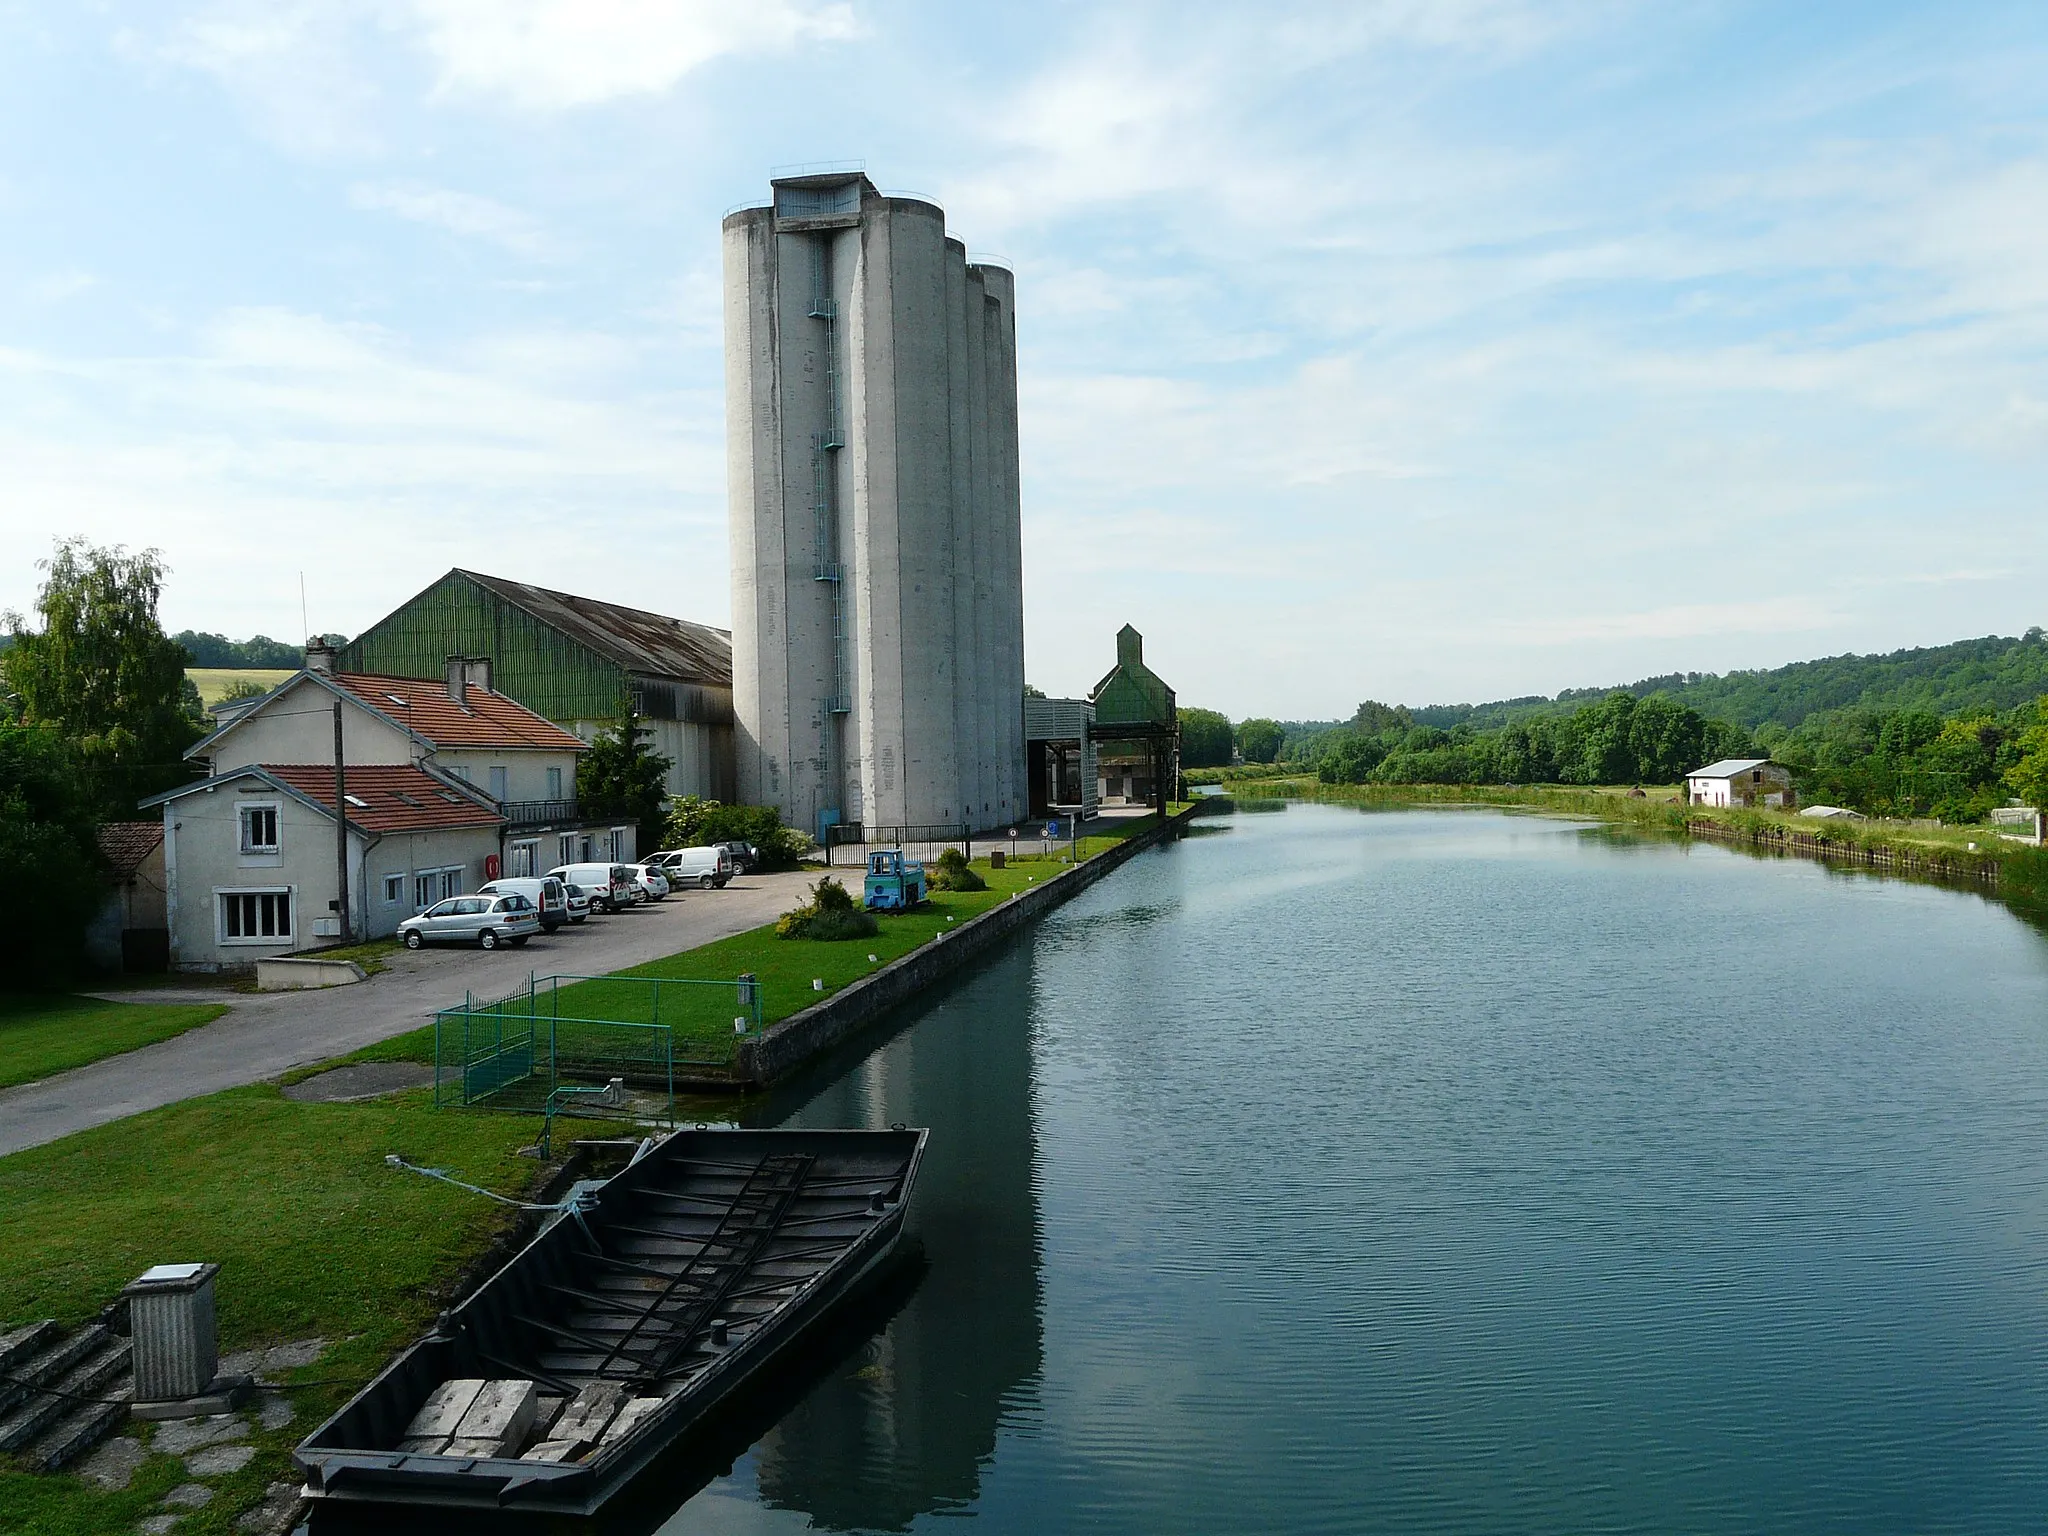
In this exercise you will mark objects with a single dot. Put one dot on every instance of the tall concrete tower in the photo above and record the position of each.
(877, 571)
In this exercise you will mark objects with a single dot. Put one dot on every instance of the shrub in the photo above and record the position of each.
(954, 873)
(693, 822)
(829, 914)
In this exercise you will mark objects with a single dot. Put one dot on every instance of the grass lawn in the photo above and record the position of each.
(213, 682)
(42, 1034)
(701, 1017)
(313, 1233)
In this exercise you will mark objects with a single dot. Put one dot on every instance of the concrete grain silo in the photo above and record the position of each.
(871, 417)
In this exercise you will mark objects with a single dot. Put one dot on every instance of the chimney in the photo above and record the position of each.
(458, 680)
(476, 671)
(320, 657)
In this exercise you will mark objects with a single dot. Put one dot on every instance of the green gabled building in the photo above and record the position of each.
(576, 660)
(1142, 766)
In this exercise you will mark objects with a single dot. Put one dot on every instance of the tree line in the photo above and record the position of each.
(1904, 763)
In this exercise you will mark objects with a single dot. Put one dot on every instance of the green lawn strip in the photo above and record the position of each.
(314, 1234)
(701, 1017)
(43, 1034)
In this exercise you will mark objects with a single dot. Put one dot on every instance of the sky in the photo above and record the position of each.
(1418, 350)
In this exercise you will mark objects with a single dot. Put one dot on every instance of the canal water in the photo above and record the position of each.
(1453, 1172)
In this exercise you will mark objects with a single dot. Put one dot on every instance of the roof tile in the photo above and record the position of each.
(127, 843)
(488, 719)
(394, 798)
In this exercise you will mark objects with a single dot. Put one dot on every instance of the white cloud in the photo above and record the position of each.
(460, 213)
(282, 440)
(571, 53)
(59, 286)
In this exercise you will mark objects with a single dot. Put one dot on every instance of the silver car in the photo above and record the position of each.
(485, 921)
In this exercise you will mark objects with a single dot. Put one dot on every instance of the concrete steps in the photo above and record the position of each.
(61, 1395)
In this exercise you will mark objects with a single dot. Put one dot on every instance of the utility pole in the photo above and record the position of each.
(341, 831)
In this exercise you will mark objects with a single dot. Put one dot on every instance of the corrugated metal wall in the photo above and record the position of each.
(540, 667)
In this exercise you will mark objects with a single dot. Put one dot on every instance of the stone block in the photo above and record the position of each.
(219, 1460)
(500, 1418)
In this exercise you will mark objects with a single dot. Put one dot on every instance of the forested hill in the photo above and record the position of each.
(1992, 673)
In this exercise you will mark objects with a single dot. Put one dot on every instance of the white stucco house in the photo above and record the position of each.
(446, 784)
(1748, 781)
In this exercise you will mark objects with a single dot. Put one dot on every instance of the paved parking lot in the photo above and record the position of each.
(265, 1034)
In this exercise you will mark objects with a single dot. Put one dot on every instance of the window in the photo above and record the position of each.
(394, 887)
(520, 859)
(500, 786)
(565, 850)
(255, 917)
(554, 783)
(456, 770)
(259, 828)
(618, 842)
(435, 885)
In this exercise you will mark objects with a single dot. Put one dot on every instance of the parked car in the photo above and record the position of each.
(609, 886)
(485, 921)
(578, 901)
(746, 858)
(547, 894)
(649, 884)
(702, 867)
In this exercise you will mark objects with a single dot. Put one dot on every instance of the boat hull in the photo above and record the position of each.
(832, 1235)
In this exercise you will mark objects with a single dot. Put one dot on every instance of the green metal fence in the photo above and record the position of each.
(553, 1040)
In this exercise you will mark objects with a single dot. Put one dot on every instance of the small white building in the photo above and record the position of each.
(251, 864)
(1748, 781)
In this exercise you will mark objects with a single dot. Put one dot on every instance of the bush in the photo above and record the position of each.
(693, 822)
(829, 914)
(954, 873)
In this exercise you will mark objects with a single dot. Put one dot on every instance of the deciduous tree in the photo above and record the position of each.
(99, 670)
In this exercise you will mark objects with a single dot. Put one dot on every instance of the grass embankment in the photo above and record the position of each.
(315, 1236)
(42, 1034)
(701, 1018)
(213, 683)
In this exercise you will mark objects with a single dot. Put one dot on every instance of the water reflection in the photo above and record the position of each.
(906, 1425)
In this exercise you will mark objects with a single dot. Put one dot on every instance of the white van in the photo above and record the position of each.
(544, 891)
(610, 885)
(701, 867)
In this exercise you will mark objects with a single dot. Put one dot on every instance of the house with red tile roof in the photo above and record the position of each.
(444, 785)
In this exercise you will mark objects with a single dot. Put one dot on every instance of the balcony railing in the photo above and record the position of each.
(537, 813)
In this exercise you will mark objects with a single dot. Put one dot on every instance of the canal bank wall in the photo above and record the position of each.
(783, 1048)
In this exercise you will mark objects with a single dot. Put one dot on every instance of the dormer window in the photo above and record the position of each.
(259, 828)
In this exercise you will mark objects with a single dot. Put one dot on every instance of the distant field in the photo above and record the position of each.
(213, 682)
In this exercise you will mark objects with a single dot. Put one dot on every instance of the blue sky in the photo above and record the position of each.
(1422, 350)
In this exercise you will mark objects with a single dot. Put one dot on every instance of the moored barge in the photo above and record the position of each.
(613, 1333)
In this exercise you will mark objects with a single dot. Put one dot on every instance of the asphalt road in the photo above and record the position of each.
(265, 1034)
